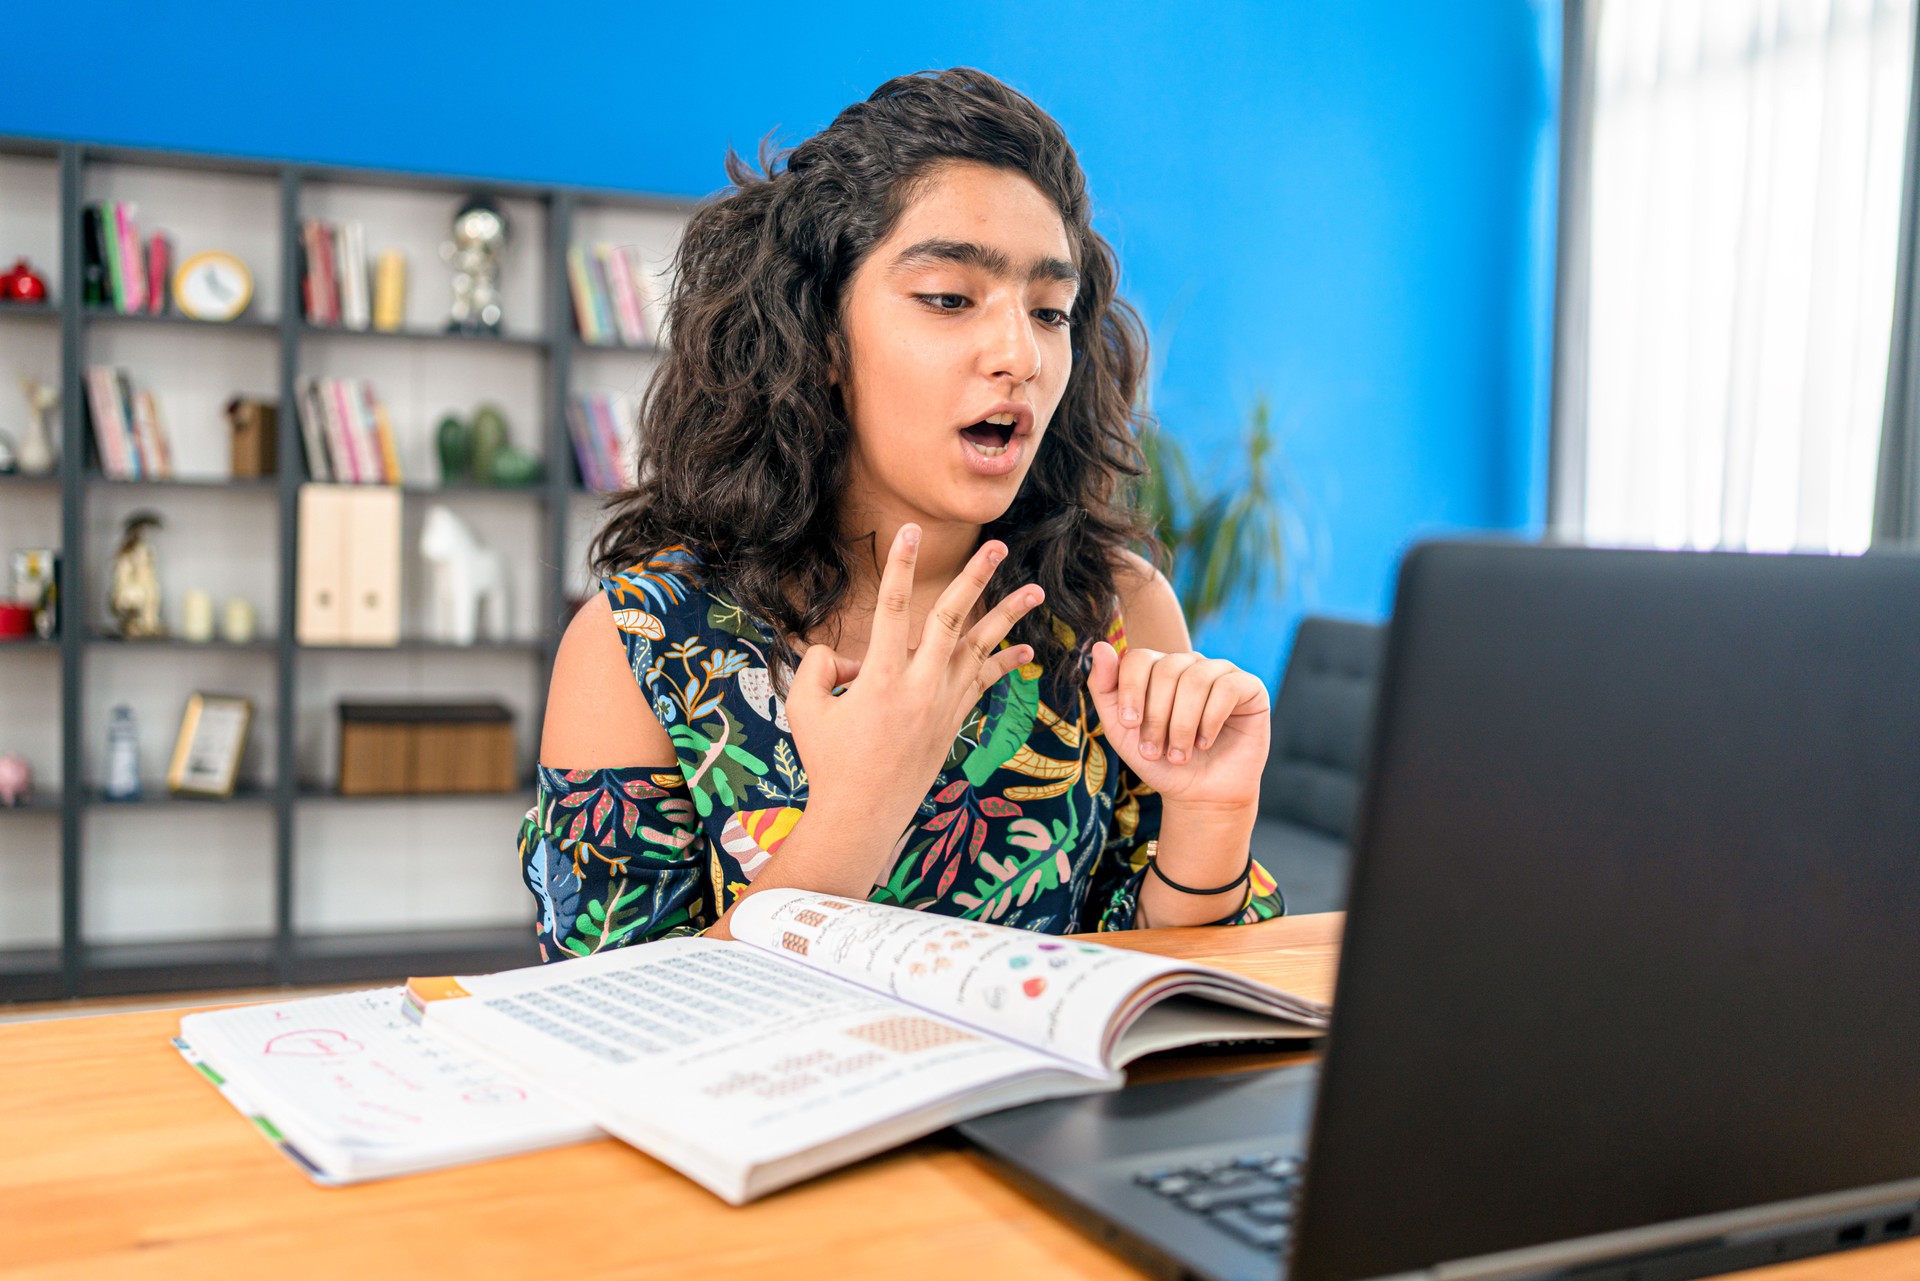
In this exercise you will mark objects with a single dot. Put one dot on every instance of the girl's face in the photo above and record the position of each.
(956, 328)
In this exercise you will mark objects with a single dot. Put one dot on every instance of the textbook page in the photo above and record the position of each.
(358, 1091)
(737, 1067)
(1062, 995)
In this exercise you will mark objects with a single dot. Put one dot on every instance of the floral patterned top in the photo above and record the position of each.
(1032, 822)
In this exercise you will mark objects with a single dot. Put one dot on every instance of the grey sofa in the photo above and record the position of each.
(1321, 718)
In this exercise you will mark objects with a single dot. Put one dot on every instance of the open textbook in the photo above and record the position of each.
(833, 1028)
(828, 1030)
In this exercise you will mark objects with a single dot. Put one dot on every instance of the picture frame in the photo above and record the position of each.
(206, 753)
(214, 285)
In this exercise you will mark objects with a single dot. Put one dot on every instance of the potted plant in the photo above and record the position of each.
(1226, 543)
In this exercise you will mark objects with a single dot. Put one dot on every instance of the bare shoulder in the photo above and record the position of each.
(1149, 607)
(597, 714)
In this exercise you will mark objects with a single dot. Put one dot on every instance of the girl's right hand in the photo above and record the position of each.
(872, 752)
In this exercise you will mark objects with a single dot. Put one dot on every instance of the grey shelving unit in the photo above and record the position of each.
(79, 968)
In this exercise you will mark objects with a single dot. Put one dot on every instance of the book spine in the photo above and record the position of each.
(355, 309)
(367, 440)
(329, 286)
(106, 438)
(93, 261)
(366, 459)
(580, 434)
(159, 266)
(137, 468)
(383, 432)
(602, 305)
(390, 292)
(607, 439)
(626, 303)
(110, 254)
(133, 267)
(146, 431)
(309, 279)
(339, 440)
(653, 309)
(580, 285)
(312, 445)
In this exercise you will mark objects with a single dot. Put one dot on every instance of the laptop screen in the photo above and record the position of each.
(1634, 928)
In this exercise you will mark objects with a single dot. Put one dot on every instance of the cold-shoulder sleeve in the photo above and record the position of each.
(612, 857)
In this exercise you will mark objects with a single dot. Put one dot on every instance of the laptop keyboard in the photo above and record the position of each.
(1251, 1197)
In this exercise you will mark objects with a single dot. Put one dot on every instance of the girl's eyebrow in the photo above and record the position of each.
(994, 262)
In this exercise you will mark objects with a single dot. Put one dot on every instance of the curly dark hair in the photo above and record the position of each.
(744, 442)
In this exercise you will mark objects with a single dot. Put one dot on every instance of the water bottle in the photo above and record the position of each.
(123, 756)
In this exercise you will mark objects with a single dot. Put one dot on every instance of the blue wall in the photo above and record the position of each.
(1345, 208)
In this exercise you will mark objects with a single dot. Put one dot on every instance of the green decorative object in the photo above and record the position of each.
(489, 439)
(455, 444)
(515, 467)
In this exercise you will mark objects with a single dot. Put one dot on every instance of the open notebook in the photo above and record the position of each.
(829, 1029)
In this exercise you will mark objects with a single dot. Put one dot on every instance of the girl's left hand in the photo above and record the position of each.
(1193, 728)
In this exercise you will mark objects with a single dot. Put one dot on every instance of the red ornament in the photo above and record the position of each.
(22, 284)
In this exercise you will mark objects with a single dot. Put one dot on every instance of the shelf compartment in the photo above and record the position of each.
(30, 974)
(398, 955)
(30, 310)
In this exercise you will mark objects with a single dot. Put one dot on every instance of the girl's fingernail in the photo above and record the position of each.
(995, 556)
(1201, 743)
(1129, 715)
(1176, 755)
(910, 535)
(1149, 750)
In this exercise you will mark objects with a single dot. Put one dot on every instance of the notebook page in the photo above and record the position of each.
(364, 1092)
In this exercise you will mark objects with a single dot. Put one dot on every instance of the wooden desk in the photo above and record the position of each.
(116, 1160)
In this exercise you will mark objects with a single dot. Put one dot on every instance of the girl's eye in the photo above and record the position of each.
(1053, 316)
(944, 302)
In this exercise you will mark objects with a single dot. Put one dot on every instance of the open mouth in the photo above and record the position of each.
(991, 435)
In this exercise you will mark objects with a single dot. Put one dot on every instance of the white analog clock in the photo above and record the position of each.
(213, 286)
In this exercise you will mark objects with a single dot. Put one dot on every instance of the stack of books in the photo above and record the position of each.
(118, 269)
(334, 285)
(345, 432)
(600, 424)
(127, 431)
(616, 301)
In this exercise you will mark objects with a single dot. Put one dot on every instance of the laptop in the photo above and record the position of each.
(1630, 986)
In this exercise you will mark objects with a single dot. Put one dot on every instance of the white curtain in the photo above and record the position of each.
(1746, 177)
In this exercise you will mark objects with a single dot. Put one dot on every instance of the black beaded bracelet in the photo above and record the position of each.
(1153, 865)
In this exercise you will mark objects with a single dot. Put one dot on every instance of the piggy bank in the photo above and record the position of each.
(16, 780)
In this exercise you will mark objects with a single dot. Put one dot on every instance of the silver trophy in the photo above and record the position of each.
(479, 240)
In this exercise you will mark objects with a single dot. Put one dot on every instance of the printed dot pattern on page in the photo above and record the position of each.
(908, 1034)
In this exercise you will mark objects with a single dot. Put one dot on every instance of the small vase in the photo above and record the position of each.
(36, 454)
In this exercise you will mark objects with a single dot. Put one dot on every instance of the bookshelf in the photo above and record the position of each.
(287, 881)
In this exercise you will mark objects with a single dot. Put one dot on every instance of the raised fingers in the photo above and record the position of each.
(948, 621)
(993, 629)
(1157, 711)
(887, 643)
(1130, 690)
(999, 664)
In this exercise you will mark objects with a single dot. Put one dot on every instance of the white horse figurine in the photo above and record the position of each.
(463, 577)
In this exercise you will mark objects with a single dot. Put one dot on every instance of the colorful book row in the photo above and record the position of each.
(334, 287)
(602, 427)
(128, 433)
(118, 269)
(346, 432)
(616, 300)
